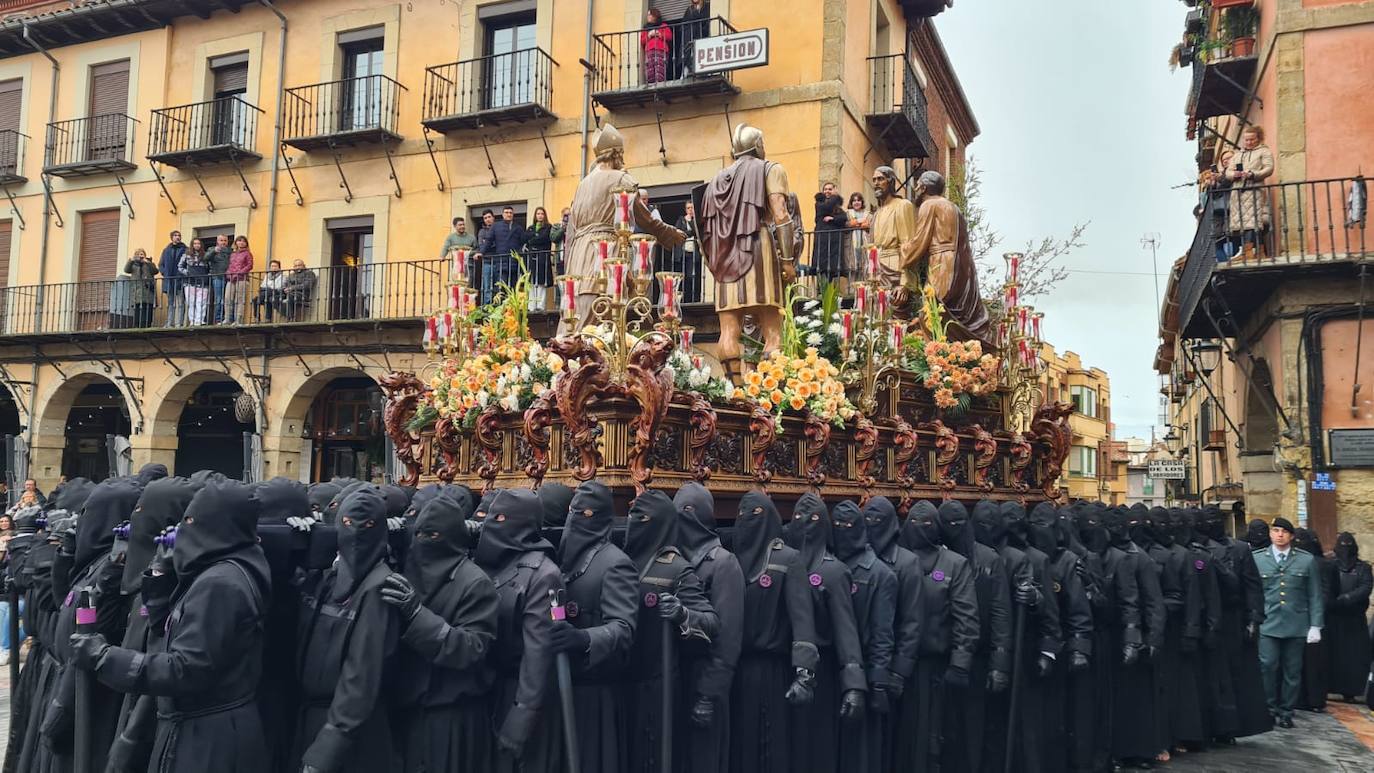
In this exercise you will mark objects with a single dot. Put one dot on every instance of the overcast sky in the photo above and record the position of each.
(1082, 120)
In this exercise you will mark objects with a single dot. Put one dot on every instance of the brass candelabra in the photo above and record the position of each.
(1019, 338)
(449, 331)
(870, 338)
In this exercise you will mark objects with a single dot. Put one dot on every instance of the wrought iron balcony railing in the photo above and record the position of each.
(204, 132)
(342, 112)
(637, 66)
(513, 87)
(86, 146)
(12, 146)
(897, 110)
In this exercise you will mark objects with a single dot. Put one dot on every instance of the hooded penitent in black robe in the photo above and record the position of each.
(949, 636)
(1177, 711)
(602, 602)
(555, 498)
(1316, 658)
(883, 531)
(520, 563)
(1257, 534)
(1234, 661)
(346, 644)
(1135, 731)
(779, 641)
(320, 495)
(709, 667)
(93, 570)
(23, 555)
(162, 504)
(836, 669)
(965, 741)
(874, 597)
(205, 666)
(442, 683)
(1346, 629)
(1207, 625)
(1067, 573)
(1031, 590)
(667, 584)
(1111, 590)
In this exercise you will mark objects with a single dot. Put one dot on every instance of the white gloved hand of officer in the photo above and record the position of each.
(301, 524)
(395, 524)
(1314, 635)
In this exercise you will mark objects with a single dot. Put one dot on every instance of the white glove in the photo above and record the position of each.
(395, 524)
(300, 524)
(1314, 635)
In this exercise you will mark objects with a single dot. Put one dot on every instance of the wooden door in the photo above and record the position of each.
(107, 125)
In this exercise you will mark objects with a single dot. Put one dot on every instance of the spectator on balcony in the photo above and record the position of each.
(1250, 215)
(558, 235)
(694, 25)
(460, 239)
(827, 256)
(498, 266)
(143, 290)
(299, 291)
(476, 268)
(194, 270)
(171, 286)
(1216, 196)
(271, 292)
(656, 39)
(654, 214)
(538, 249)
(860, 219)
(236, 280)
(218, 258)
(686, 258)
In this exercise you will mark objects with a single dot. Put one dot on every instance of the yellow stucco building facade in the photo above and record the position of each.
(1096, 467)
(346, 136)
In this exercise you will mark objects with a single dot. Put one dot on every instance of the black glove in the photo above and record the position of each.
(878, 701)
(670, 608)
(308, 768)
(956, 676)
(703, 711)
(1044, 665)
(852, 705)
(1131, 654)
(88, 649)
(1027, 595)
(1251, 632)
(1188, 644)
(895, 688)
(121, 755)
(998, 681)
(1150, 652)
(803, 689)
(567, 637)
(66, 543)
(1078, 661)
(510, 746)
(398, 592)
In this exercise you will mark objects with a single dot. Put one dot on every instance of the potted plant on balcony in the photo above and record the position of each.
(1240, 24)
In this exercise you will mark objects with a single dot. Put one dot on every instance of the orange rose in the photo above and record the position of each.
(775, 396)
(797, 403)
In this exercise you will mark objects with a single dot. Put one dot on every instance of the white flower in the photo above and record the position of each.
(483, 397)
(813, 339)
(511, 402)
(813, 323)
(836, 328)
(501, 383)
(729, 390)
(524, 373)
(697, 378)
(811, 304)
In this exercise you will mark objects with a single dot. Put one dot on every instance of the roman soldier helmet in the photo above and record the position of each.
(746, 140)
(608, 142)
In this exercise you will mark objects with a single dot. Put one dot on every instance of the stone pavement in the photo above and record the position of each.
(1321, 743)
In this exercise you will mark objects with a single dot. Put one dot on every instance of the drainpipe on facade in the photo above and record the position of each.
(43, 246)
(587, 86)
(276, 141)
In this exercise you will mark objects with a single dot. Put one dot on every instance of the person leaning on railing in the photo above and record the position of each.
(1250, 215)
(236, 280)
(143, 291)
(298, 291)
(271, 291)
(538, 251)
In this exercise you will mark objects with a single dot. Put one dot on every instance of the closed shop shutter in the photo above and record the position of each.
(108, 128)
(97, 267)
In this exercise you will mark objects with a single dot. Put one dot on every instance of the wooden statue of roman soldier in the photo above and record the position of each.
(748, 245)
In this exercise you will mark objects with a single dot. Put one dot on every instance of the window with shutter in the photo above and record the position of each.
(230, 118)
(108, 127)
(11, 103)
(98, 266)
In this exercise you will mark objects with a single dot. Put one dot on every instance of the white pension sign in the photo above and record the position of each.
(733, 51)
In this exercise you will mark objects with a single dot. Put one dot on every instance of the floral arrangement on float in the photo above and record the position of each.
(954, 371)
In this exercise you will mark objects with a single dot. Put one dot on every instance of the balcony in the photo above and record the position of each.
(490, 91)
(81, 147)
(351, 111)
(897, 107)
(12, 145)
(1221, 87)
(1306, 230)
(925, 8)
(625, 75)
(332, 295)
(204, 133)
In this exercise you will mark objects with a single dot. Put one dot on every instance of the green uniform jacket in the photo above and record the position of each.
(1292, 594)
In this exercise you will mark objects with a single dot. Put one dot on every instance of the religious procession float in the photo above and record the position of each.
(854, 400)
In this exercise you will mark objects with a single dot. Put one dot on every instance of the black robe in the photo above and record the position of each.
(1316, 658)
(1041, 637)
(1252, 710)
(526, 694)
(710, 667)
(874, 597)
(1346, 628)
(1207, 626)
(30, 571)
(1135, 733)
(1176, 702)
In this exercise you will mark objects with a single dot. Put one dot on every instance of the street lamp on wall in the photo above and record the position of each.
(1172, 441)
(1208, 356)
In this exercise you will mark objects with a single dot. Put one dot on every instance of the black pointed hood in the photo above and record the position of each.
(423, 496)
(331, 511)
(220, 521)
(555, 498)
(883, 526)
(1118, 527)
(71, 496)
(1214, 522)
(756, 527)
(1347, 550)
(921, 532)
(989, 526)
(1158, 520)
(1014, 516)
(485, 502)
(1138, 526)
(652, 527)
(441, 542)
(151, 472)
(320, 495)
(696, 528)
(587, 522)
(1092, 531)
(1257, 534)
(1308, 540)
(201, 477)
(809, 530)
(161, 504)
(397, 500)
(281, 498)
(1042, 527)
(511, 529)
(361, 524)
(848, 531)
(956, 532)
(110, 504)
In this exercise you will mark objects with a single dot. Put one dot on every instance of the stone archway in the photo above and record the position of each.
(168, 406)
(60, 448)
(297, 430)
(11, 424)
(189, 394)
(1261, 421)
